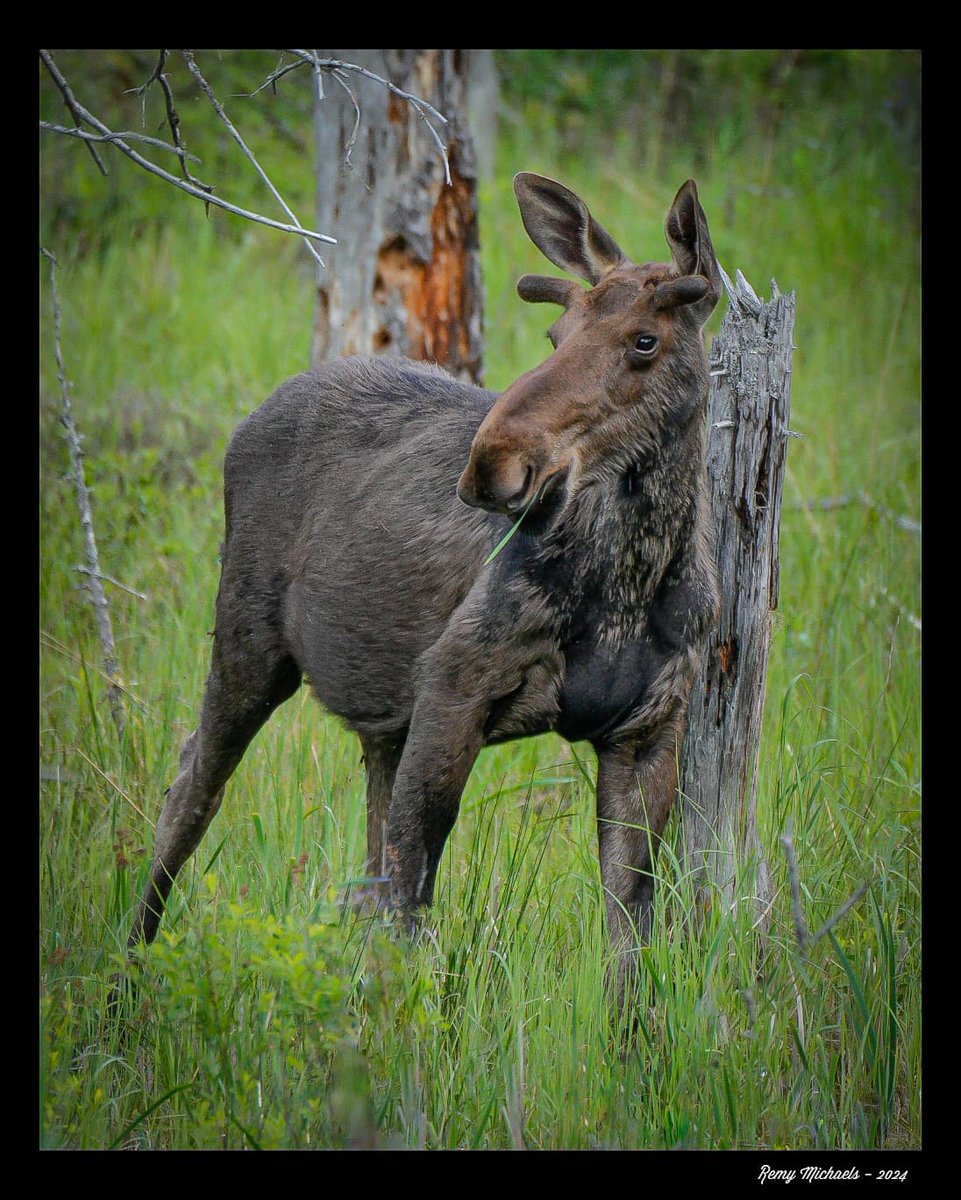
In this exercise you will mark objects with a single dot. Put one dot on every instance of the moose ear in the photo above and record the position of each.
(690, 240)
(561, 227)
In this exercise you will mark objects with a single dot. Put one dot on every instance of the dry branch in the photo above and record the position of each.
(349, 144)
(247, 152)
(70, 101)
(95, 585)
(201, 191)
(173, 118)
(337, 67)
(116, 582)
(127, 135)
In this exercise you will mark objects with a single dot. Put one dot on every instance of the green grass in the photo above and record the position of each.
(269, 1015)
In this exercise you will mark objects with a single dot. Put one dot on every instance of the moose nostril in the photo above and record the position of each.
(497, 485)
(515, 502)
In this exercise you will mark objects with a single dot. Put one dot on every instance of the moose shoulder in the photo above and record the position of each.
(363, 502)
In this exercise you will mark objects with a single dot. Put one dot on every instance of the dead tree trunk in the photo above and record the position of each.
(747, 440)
(405, 277)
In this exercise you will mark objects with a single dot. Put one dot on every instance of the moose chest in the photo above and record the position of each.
(604, 683)
(613, 640)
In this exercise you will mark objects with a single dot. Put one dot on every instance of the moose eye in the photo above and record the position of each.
(645, 343)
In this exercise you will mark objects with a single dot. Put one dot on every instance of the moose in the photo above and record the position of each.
(363, 502)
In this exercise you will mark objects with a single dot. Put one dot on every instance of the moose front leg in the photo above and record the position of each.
(636, 786)
(441, 748)
(492, 674)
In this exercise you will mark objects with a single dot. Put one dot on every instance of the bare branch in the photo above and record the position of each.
(70, 102)
(145, 87)
(116, 582)
(441, 148)
(318, 75)
(192, 190)
(335, 65)
(279, 73)
(339, 64)
(353, 99)
(902, 522)
(826, 503)
(173, 118)
(126, 135)
(185, 186)
(95, 587)
(248, 153)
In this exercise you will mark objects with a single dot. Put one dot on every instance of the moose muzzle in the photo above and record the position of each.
(498, 478)
(523, 446)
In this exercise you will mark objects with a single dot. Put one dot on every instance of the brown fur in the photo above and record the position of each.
(350, 559)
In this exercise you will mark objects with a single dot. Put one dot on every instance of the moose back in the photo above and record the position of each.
(363, 502)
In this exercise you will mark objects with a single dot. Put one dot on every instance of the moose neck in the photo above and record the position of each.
(627, 522)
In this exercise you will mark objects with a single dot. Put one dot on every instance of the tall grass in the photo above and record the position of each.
(269, 1014)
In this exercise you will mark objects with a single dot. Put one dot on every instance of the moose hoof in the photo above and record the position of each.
(373, 897)
(370, 897)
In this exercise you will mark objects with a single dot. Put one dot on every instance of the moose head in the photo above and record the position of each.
(624, 350)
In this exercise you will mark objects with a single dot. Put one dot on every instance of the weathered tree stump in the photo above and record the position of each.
(749, 409)
(404, 278)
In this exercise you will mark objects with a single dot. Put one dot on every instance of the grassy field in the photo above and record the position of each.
(272, 1017)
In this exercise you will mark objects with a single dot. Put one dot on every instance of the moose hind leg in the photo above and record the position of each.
(381, 758)
(232, 713)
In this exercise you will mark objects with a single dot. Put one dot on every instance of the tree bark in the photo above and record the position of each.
(749, 409)
(405, 276)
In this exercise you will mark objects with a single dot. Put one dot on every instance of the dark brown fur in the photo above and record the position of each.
(354, 557)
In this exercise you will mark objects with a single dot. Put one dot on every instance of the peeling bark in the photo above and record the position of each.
(747, 442)
(404, 279)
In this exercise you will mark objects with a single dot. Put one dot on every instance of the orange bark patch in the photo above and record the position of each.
(431, 302)
(446, 303)
(396, 109)
(728, 653)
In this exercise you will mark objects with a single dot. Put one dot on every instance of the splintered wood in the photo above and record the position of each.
(749, 411)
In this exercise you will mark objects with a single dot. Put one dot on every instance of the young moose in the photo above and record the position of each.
(362, 503)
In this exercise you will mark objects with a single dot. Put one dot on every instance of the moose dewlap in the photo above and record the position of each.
(363, 502)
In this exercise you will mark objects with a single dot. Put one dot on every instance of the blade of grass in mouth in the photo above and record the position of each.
(513, 529)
